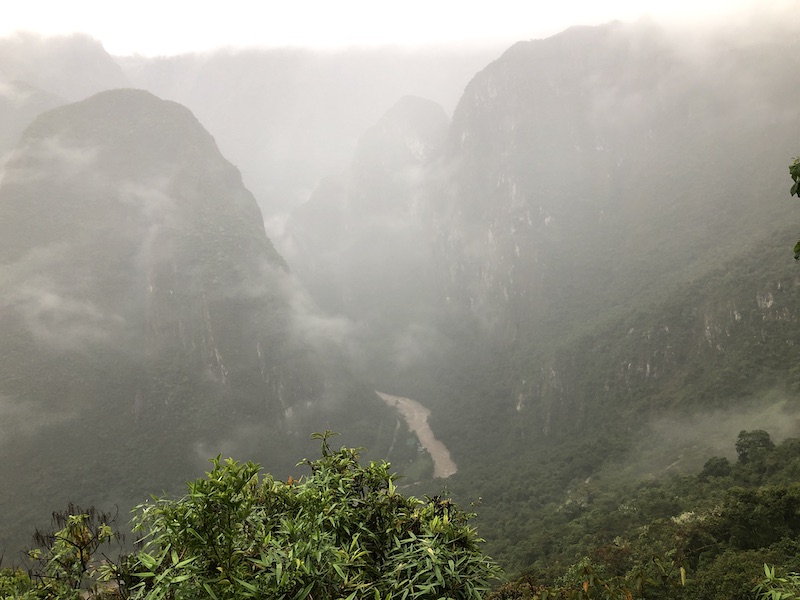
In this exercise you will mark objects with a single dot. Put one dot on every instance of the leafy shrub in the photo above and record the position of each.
(342, 532)
(67, 562)
(773, 587)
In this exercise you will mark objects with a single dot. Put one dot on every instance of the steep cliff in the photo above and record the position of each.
(596, 177)
(615, 232)
(598, 168)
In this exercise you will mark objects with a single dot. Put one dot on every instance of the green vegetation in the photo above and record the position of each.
(670, 382)
(342, 532)
(778, 588)
(729, 532)
(694, 537)
(794, 171)
(67, 560)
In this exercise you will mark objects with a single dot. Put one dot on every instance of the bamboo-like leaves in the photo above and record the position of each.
(341, 533)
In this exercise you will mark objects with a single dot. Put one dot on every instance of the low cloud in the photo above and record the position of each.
(13, 95)
(312, 326)
(158, 212)
(50, 158)
(418, 343)
(685, 443)
(60, 320)
(20, 418)
(55, 312)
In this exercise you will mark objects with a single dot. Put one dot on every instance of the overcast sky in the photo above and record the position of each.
(153, 27)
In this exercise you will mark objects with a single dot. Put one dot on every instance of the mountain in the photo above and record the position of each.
(585, 272)
(148, 321)
(604, 242)
(39, 73)
(593, 160)
(71, 67)
(289, 117)
(20, 103)
(615, 229)
(589, 178)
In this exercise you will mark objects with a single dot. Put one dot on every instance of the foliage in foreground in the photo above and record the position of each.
(342, 532)
(794, 172)
(773, 587)
(69, 560)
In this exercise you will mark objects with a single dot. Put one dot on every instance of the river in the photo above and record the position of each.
(416, 416)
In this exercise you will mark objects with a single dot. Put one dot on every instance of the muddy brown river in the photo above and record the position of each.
(416, 417)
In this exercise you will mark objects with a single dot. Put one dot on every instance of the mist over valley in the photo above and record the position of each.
(566, 265)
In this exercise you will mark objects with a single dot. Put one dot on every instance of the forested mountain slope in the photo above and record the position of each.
(610, 230)
(148, 322)
(615, 159)
(617, 230)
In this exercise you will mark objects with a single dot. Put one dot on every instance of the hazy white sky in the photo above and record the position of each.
(154, 27)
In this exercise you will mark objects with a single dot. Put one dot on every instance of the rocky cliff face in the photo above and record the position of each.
(585, 182)
(595, 167)
(607, 202)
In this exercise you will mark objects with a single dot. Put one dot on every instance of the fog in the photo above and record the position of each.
(685, 444)
(297, 114)
(478, 227)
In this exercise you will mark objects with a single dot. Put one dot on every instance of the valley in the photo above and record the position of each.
(575, 250)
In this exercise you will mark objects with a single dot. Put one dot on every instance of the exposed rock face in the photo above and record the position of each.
(610, 192)
(583, 177)
(589, 166)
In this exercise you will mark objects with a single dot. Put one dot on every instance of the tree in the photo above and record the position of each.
(67, 551)
(716, 466)
(753, 445)
(66, 562)
(794, 171)
(342, 532)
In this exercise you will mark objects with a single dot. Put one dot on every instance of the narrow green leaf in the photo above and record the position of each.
(246, 585)
(210, 591)
(185, 562)
(304, 592)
